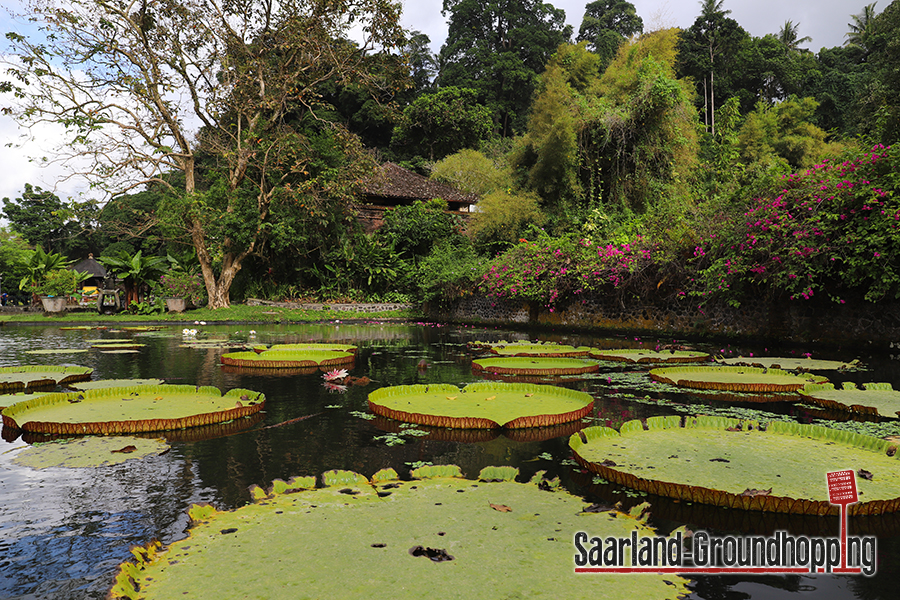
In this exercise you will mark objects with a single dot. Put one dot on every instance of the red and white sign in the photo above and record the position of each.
(842, 487)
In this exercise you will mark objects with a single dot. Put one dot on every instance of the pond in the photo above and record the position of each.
(63, 532)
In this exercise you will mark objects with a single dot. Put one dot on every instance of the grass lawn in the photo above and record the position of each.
(236, 313)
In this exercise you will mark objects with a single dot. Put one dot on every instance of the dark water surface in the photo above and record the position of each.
(63, 532)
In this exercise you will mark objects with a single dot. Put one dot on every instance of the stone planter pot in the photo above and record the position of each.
(53, 304)
(176, 304)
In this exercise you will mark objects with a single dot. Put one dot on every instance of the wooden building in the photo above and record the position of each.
(391, 185)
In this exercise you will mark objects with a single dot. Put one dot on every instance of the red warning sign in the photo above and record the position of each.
(842, 487)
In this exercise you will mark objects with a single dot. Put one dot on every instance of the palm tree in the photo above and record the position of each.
(860, 28)
(711, 14)
(788, 36)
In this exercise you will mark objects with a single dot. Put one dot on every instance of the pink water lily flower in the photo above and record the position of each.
(335, 375)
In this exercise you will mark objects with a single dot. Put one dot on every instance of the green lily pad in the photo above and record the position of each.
(538, 349)
(367, 535)
(734, 379)
(736, 464)
(281, 359)
(57, 351)
(633, 355)
(111, 383)
(10, 399)
(790, 364)
(481, 405)
(523, 365)
(874, 399)
(77, 328)
(89, 451)
(131, 409)
(307, 346)
(118, 345)
(16, 379)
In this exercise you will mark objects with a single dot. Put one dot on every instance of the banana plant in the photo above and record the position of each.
(136, 271)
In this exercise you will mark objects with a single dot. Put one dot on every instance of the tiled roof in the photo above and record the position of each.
(393, 181)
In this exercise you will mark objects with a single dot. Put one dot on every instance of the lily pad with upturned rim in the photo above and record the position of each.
(90, 451)
(633, 355)
(307, 346)
(57, 351)
(721, 461)
(485, 405)
(734, 379)
(873, 399)
(541, 350)
(118, 346)
(286, 359)
(131, 409)
(110, 383)
(16, 379)
(790, 364)
(365, 534)
(524, 365)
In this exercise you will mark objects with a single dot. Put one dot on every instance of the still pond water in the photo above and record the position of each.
(63, 532)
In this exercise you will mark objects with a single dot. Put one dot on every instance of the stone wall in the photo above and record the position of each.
(764, 319)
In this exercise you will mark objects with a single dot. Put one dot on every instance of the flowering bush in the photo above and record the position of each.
(830, 229)
(181, 284)
(548, 269)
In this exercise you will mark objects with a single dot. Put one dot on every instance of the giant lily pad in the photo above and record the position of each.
(111, 383)
(131, 409)
(790, 364)
(481, 405)
(539, 349)
(307, 346)
(633, 355)
(286, 359)
(736, 464)
(734, 379)
(57, 351)
(874, 399)
(16, 379)
(523, 365)
(355, 539)
(90, 451)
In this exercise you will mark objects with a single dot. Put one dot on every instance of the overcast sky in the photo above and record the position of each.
(825, 21)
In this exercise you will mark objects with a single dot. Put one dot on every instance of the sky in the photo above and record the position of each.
(825, 21)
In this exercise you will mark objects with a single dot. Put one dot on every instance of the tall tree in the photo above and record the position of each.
(715, 34)
(443, 123)
(43, 219)
(606, 24)
(132, 79)
(789, 36)
(860, 30)
(498, 47)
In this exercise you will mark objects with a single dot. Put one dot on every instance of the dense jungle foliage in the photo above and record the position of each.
(681, 165)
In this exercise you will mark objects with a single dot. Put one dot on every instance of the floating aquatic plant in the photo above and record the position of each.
(417, 539)
(481, 405)
(545, 366)
(721, 461)
(873, 398)
(734, 379)
(131, 409)
(633, 355)
(90, 451)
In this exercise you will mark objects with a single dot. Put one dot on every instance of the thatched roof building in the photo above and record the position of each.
(96, 270)
(391, 185)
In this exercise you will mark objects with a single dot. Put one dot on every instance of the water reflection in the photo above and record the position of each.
(63, 532)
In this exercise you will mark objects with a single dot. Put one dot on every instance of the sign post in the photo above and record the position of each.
(842, 491)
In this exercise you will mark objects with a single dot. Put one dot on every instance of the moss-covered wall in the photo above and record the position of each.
(788, 321)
